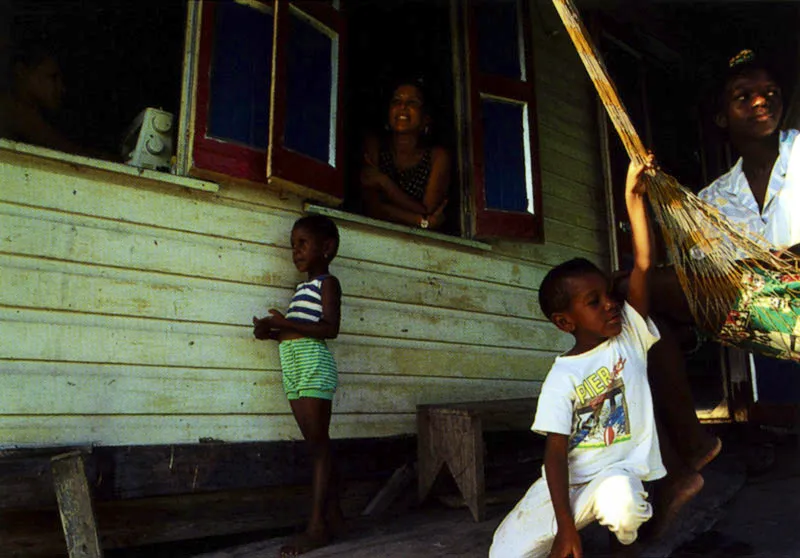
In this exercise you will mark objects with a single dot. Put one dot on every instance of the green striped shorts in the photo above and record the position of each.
(308, 369)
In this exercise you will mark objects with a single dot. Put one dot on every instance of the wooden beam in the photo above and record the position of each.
(75, 506)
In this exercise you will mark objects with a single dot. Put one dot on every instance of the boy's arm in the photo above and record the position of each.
(638, 292)
(567, 541)
(328, 326)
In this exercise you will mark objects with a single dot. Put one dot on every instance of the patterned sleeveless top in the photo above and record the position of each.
(411, 180)
(306, 304)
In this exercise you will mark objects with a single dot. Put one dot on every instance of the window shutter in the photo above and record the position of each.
(506, 177)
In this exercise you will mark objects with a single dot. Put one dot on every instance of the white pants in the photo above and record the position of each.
(616, 499)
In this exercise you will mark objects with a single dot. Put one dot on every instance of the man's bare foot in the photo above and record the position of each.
(671, 496)
(707, 454)
(302, 543)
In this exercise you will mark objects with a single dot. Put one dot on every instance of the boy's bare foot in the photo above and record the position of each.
(707, 454)
(671, 496)
(302, 543)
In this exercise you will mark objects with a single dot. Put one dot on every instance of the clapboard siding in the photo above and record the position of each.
(34, 430)
(70, 389)
(126, 304)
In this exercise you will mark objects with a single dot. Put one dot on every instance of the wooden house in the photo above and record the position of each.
(126, 295)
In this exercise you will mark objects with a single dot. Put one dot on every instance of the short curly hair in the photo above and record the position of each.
(554, 294)
(321, 227)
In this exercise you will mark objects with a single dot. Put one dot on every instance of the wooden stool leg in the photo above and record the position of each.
(429, 459)
(75, 506)
(464, 457)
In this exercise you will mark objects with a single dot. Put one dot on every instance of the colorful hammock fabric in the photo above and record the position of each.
(766, 316)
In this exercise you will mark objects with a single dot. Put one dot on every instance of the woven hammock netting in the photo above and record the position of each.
(738, 290)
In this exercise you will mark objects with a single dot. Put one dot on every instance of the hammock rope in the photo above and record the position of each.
(738, 289)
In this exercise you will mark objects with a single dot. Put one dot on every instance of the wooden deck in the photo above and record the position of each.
(435, 531)
(432, 532)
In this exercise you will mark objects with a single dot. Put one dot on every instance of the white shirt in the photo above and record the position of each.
(601, 399)
(779, 223)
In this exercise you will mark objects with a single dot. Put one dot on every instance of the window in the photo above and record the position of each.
(116, 58)
(288, 131)
(507, 192)
(259, 88)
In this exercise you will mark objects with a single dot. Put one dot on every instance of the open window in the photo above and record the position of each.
(267, 107)
(507, 186)
(115, 59)
(260, 91)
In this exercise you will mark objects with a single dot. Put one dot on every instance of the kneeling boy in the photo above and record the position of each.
(595, 408)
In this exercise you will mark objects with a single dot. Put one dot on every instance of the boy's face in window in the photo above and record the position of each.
(43, 84)
(754, 106)
(406, 112)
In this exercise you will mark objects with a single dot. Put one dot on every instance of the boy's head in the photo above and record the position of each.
(575, 297)
(323, 229)
(749, 97)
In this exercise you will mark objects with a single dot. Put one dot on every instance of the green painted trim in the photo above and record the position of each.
(377, 223)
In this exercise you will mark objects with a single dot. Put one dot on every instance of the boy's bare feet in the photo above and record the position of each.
(671, 496)
(302, 543)
(707, 454)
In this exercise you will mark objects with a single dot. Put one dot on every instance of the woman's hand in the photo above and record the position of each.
(436, 219)
(371, 176)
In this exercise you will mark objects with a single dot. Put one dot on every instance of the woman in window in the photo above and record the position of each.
(404, 179)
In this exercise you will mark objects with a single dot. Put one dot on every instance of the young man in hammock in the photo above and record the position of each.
(761, 194)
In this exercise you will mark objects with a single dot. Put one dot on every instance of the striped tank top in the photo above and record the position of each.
(306, 304)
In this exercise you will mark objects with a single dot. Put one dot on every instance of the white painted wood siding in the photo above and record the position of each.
(125, 306)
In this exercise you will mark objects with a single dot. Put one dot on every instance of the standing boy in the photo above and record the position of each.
(309, 372)
(595, 408)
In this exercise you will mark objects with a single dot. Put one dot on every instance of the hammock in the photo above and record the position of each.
(738, 290)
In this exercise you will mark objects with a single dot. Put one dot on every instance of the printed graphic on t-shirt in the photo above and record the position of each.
(600, 417)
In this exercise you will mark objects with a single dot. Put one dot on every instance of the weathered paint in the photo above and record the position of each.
(125, 303)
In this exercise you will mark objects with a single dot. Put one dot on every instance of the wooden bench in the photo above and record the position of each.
(452, 434)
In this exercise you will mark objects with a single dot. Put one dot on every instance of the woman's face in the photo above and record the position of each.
(754, 105)
(43, 83)
(406, 112)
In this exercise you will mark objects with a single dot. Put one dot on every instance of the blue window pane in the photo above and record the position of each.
(506, 176)
(310, 91)
(499, 38)
(240, 75)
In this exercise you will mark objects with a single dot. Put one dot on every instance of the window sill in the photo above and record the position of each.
(80, 161)
(378, 224)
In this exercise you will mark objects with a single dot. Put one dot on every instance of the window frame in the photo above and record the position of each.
(285, 167)
(486, 222)
(202, 155)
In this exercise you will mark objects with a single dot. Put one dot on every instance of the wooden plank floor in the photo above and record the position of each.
(430, 532)
(436, 531)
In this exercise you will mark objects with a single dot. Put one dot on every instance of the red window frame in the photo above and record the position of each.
(492, 222)
(283, 164)
(277, 164)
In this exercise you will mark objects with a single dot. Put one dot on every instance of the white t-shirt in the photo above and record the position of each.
(779, 222)
(601, 399)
